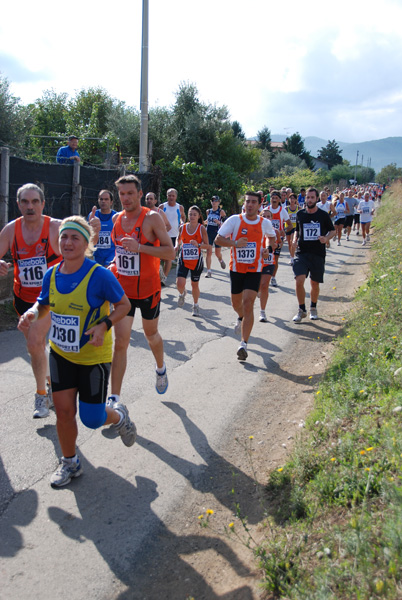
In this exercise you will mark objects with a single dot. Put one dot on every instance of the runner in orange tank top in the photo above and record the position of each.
(245, 234)
(141, 241)
(33, 242)
(192, 238)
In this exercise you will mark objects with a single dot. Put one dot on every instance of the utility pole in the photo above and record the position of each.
(144, 89)
(357, 158)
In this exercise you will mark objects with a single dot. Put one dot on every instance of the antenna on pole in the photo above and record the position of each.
(144, 89)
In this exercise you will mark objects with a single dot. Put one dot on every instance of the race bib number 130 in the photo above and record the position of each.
(65, 332)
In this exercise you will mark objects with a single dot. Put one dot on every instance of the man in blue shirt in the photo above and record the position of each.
(105, 248)
(68, 154)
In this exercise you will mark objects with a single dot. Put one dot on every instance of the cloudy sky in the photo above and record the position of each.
(332, 70)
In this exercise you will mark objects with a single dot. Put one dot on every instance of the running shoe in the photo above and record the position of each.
(162, 275)
(223, 264)
(347, 238)
(196, 311)
(357, 233)
(339, 243)
(111, 401)
(313, 314)
(368, 237)
(42, 404)
(208, 274)
(181, 299)
(67, 469)
(363, 242)
(242, 353)
(162, 383)
(301, 314)
(126, 429)
(263, 317)
(237, 327)
(274, 282)
(49, 394)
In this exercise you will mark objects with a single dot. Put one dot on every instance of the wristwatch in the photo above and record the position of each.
(107, 321)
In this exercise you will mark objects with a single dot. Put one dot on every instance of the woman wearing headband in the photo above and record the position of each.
(78, 294)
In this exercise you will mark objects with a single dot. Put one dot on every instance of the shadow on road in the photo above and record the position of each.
(225, 481)
(16, 510)
(116, 515)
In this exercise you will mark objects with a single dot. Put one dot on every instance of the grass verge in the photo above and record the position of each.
(337, 530)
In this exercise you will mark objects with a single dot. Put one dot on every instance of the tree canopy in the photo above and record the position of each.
(295, 145)
(331, 154)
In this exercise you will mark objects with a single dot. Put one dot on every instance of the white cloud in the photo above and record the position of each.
(331, 71)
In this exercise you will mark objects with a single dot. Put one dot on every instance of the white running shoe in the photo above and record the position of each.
(209, 274)
(42, 404)
(313, 314)
(223, 264)
(126, 429)
(196, 311)
(181, 299)
(263, 317)
(237, 327)
(274, 282)
(301, 314)
(242, 351)
(162, 383)
(67, 469)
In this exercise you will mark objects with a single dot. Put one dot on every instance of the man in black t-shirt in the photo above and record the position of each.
(314, 229)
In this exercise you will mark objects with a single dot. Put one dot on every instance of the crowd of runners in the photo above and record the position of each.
(76, 279)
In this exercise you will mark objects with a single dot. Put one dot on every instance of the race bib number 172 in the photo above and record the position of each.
(311, 232)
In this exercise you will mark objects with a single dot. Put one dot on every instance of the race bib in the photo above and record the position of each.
(127, 263)
(276, 224)
(104, 240)
(32, 271)
(248, 254)
(190, 252)
(270, 260)
(65, 332)
(292, 217)
(366, 210)
(311, 232)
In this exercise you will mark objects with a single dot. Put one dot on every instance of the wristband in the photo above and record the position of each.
(35, 312)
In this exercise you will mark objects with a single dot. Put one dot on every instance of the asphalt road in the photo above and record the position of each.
(87, 540)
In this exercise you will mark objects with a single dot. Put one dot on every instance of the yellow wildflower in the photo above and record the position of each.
(362, 452)
(279, 470)
(201, 516)
(370, 449)
(231, 525)
(333, 459)
(210, 511)
(250, 437)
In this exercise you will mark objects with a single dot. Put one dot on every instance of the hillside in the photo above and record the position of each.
(381, 152)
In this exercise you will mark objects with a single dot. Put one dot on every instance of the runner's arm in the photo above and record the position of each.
(6, 236)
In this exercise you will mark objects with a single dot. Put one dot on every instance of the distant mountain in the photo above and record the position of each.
(381, 152)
